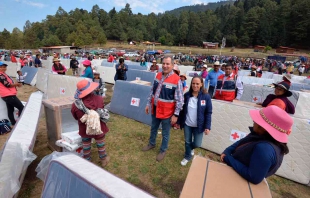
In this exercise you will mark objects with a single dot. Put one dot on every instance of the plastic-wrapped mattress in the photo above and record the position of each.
(73, 176)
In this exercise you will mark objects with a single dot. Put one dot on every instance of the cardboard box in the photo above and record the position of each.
(209, 179)
(141, 82)
(58, 119)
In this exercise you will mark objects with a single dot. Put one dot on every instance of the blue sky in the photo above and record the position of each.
(14, 13)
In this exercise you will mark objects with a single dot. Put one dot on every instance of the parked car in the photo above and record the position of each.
(131, 54)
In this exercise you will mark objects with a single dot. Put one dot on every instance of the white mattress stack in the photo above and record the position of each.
(70, 142)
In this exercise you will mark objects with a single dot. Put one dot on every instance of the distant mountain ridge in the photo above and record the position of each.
(200, 7)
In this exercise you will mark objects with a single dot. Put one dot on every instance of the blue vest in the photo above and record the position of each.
(244, 151)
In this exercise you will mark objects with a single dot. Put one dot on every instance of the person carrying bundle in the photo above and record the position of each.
(88, 111)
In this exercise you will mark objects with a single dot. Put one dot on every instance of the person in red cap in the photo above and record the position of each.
(85, 93)
(88, 72)
(260, 153)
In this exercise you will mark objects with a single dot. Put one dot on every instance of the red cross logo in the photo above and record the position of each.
(133, 101)
(63, 91)
(235, 136)
(79, 150)
(255, 99)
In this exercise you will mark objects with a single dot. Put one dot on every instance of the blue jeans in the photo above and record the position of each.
(166, 125)
(191, 133)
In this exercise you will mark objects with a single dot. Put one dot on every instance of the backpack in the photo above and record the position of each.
(5, 126)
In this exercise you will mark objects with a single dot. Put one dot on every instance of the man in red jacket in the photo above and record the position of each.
(8, 93)
(165, 103)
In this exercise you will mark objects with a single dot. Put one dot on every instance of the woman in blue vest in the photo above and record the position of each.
(88, 72)
(260, 153)
(195, 117)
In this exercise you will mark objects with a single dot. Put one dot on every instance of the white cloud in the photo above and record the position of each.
(35, 4)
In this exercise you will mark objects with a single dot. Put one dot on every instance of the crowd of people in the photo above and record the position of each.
(255, 157)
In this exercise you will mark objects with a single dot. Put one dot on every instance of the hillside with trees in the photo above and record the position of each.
(245, 23)
(200, 7)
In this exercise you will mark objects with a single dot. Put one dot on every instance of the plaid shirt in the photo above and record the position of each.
(178, 95)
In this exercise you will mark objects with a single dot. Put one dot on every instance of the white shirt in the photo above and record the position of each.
(301, 69)
(191, 116)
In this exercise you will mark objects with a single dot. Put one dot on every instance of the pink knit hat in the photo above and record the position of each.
(275, 121)
(86, 63)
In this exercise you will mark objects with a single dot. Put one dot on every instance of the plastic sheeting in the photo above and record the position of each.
(137, 67)
(299, 86)
(132, 74)
(125, 94)
(15, 159)
(17, 154)
(298, 79)
(184, 69)
(277, 78)
(107, 74)
(42, 79)
(66, 178)
(107, 64)
(244, 72)
(295, 165)
(11, 69)
(31, 73)
(302, 109)
(59, 86)
(307, 81)
(254, 93)
(267, 74)
(254, 80)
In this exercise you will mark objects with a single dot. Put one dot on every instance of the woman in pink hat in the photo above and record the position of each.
(88, 72)
(85, 92)
(260, 153)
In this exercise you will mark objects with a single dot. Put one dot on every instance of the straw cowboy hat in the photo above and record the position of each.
(217, 63)
(86, 63)
(285, 86)
(56, 60)
(85, 87)
(205, 66)
(288, 77)
(154, 61)
(183, 76)
(95, 72)
(275, 121)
